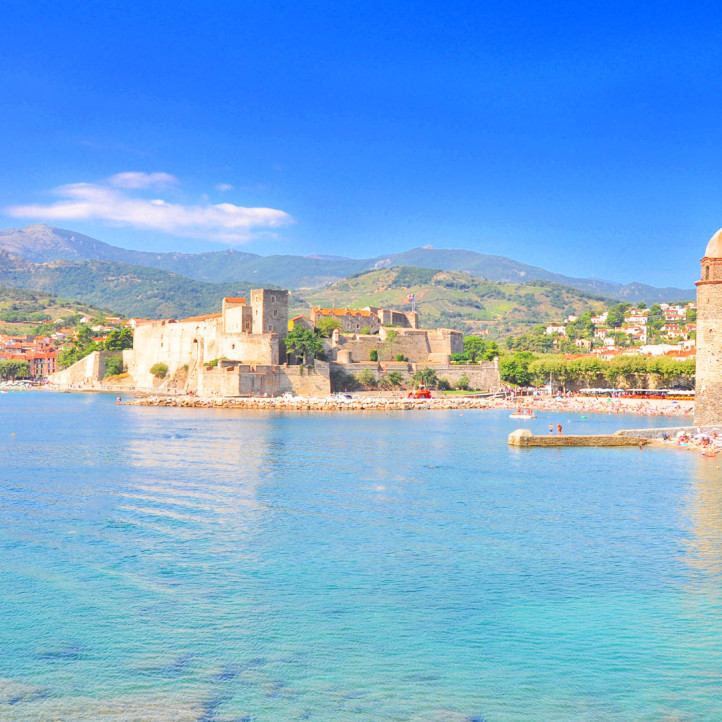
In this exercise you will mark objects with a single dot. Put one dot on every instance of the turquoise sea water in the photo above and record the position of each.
(188, 564)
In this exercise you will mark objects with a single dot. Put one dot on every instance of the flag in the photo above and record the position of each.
(411, 297)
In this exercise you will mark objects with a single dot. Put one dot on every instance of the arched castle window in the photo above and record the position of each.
(706, 273)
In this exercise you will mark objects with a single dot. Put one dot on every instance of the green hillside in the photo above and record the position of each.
(40, 243)
(25, 312)
(454, 300)
(129, 290)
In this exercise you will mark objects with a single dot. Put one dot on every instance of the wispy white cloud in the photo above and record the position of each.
(224, 187)
(137, 180)
(118, 200)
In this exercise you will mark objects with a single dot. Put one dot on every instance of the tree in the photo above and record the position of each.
(14, 369)
(515, 369)
(113, 365)
(304, 343)
(463, 383)
(394, 378)
(615, 314)
(159, 370)
(119, 339)
(425, 376)
(373, 355)
(477, 349)
(81, 346)
(327, 325)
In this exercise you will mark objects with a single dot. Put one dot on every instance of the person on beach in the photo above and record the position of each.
(559, 429)
(551, 428)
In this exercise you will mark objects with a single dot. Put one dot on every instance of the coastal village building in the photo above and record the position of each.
(708, 390)
(351, 320)
(370, 318)
(38, 351)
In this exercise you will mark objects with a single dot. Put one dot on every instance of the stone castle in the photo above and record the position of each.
(239, 351)
(708, 390)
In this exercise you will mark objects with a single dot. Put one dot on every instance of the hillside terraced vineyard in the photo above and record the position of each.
(454, 299)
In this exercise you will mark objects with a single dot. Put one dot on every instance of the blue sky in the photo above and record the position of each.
(584, 138)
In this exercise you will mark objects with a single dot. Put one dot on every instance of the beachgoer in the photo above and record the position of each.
(118, 400)
(551, 428)
(559, 429)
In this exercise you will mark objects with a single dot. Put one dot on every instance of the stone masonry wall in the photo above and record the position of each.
(708, 395)
(193, 343)
(87, 372)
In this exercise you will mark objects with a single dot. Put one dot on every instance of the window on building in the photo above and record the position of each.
(273, 299)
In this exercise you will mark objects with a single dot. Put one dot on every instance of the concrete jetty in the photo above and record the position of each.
(524, 437)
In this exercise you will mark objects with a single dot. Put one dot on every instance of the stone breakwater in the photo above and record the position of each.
(388, 403)
(313, 404)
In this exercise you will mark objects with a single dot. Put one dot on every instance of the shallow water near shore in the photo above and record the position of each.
(166, 563)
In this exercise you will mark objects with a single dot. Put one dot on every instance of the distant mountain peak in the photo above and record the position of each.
(42, 243)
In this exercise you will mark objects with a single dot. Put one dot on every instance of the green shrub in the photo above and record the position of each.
(373, 355)
(443, 385)
(394, 378)
(327, 325)
(114, 365)
(367, 378)
(463, 383)
(401, 357)
(159, 370)
(425, 376)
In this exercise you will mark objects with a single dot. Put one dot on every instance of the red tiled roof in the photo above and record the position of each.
(201, 318)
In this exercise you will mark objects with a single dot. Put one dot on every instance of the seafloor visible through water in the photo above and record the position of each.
(190, 564)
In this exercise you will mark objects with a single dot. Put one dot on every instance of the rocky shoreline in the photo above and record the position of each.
(390, 403)
(312, 404)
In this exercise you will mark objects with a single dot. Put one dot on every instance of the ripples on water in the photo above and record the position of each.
(210, 565)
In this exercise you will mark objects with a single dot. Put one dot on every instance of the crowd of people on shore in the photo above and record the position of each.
(706, 441)
(596, 404)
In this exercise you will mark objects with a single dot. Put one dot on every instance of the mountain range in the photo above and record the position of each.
(42, 244)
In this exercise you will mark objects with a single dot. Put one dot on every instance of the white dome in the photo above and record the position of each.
(714, 247)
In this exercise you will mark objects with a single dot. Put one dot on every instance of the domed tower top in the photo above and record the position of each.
(714, 247)
(712, 261)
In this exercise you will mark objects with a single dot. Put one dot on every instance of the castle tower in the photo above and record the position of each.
(708, 390)
(270, 311)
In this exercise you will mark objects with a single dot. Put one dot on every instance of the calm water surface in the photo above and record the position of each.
(189, 564)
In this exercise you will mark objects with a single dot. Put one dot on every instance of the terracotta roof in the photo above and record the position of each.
(235, 299)
(342, 312)
(207, 317)
(681, 354)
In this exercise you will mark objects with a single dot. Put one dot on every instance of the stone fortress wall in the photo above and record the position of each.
(418, 345)
(482, 377)
(194, 342)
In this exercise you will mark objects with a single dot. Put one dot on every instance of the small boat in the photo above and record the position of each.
(523, 415)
